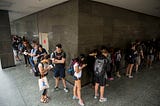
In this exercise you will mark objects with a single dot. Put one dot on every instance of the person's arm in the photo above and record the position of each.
(78, 69)
(42, 70)
(59, 61)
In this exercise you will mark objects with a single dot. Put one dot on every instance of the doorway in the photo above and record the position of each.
(43, 40)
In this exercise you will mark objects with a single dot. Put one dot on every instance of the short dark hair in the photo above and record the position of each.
(59, 45)
(46, 57)
(40, 46)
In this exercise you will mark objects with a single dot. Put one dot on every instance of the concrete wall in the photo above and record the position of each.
(102, 24)
(61, 24)
(81, 25)
(6, 53)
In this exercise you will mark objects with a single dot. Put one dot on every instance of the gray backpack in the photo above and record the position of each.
(100, 66)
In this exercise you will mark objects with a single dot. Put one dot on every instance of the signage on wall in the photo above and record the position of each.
(44, 41)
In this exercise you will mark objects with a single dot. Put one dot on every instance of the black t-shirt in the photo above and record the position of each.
(15, 45)
(90, 62)
(59, 56)
(41, 53)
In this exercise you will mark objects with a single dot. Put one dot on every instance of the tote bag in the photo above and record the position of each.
(43, 83)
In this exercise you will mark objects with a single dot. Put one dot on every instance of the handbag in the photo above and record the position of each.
(43, 83)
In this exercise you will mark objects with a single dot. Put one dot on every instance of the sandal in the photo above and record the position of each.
(44, 100)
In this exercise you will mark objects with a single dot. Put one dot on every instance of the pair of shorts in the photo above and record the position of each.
(59, 72)
(101, 80)
(75, 78)
(150, 57)
(15, 52)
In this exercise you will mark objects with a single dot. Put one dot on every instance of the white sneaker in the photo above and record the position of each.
(96, 96)
(130, 76)
(75, 97)
(66, 90)
(102, 99)
(80, 103)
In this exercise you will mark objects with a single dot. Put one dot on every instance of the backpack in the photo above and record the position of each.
(70, 70)
(99, 67)
(36, 70)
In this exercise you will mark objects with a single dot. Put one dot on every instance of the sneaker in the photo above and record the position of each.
(74, 97)
(31, 71)
(66, 90)
(56, 88)
(96, 96)
(127, 75)
(118, 75)
(80, 103)
(102, 99)
(111, 79)
(107, 85)
(130, 76)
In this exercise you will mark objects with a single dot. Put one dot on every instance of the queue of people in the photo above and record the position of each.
(103, 64)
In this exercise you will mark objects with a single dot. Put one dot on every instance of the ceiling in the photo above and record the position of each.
(21, 8)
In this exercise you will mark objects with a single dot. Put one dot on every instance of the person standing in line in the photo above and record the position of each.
(78, 66)
(58, 59)
(118, 62)
(131, 61)
(44, 67)
(100, 80)
(40, 53)
(90, 64)
(25, 50)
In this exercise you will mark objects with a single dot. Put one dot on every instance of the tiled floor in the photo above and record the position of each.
(18, 87)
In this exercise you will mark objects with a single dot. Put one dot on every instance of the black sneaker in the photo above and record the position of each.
(66, 90)
(56, 88)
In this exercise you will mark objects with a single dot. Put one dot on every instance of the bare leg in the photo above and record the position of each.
(57, 81)
(101, 91)
(64, 82)
(130, 69)
(96, 89)
(75, 89)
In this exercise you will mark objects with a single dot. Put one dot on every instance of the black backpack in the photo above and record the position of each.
(100, 66)
(36, 70)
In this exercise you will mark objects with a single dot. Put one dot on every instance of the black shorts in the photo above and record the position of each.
(101, 80)
(75, 78)
(59, 72)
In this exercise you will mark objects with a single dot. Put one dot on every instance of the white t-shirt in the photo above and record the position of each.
(44, 66)
(79, 74)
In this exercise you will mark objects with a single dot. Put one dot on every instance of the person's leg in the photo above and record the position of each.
(117, 65)
(136, 67)
(56, 75)
(78, 82)
(75, 90)
(130, 71)
(56, 82)
(44, 97)
(31, 61)
(62, 75)
(102, 86)
(64, 82)
(127, 69)
(79, 92)
(101, 92)
(25, 59)
(96, 89)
